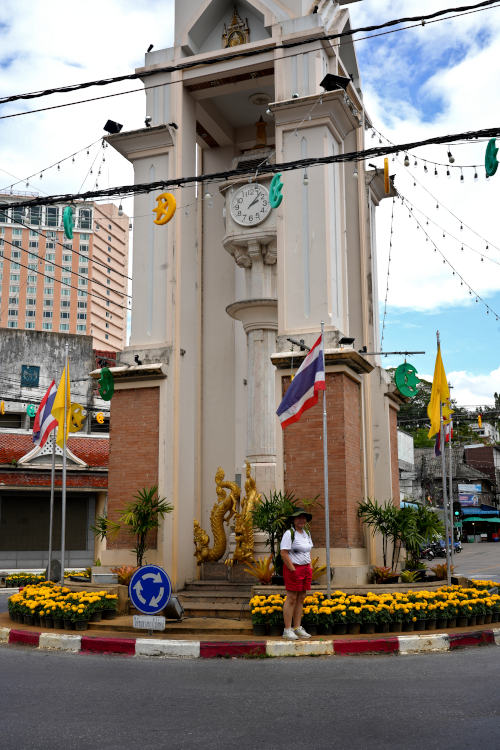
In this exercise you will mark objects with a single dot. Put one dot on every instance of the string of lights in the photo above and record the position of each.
(73, 273)
(448, 234)
(303, 163)
(36, 401)
(56, 164)
(240, 54)
(455, 272)
(59, 281)
(388, 275)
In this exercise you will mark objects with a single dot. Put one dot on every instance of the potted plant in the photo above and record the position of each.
(384, 618)
(368, 618)
(109, 603)
(275, 619)
(310, 618)
(339, 619)
(259, 616)
(271, 515)
(261, 569)
(353, 617)
(384, 575)
(325, 622)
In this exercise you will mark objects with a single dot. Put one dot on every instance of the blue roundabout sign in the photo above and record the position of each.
(150, 589)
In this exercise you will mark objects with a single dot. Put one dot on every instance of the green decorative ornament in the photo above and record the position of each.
(68, 222)
(406, 380)
(275, 188)
(490, 159)
(106, 384)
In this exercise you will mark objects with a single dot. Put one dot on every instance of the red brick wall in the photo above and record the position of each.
(393, 434)
(133, 451)
(303, 460)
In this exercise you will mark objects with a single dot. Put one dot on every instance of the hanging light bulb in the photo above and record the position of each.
(461, 175)
(58, 167)
(407, 161)
(207, 196)
(73, 160)
(435, 172)
(305, 180)
(475, 175)
(461, 227)
(120, 210)
(41, 175)
(27, 184)
(91, 170)
(451, 158)
(447, 172)
(425, 167)
(355, 172)
(103, 158)
(415, 163)
(88, 152)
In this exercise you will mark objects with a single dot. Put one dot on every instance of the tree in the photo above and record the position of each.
(140, 517)
(271, 516)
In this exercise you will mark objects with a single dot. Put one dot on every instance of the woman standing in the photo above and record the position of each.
(295, 548)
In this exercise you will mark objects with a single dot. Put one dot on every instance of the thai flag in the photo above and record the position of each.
(303, 390)
(44, 421)
(448, 430)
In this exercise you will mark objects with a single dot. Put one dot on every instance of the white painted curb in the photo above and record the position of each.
(4, 635)
(151, 647)
(60, 642)
(299, 648)
(496, 633)
(415, 644)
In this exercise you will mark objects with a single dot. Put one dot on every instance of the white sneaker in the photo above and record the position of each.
(301, 633)
(290, 635)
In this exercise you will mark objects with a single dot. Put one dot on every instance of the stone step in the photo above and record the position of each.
(196, 627)
(237, 588)
(215, 595)
(206, 607)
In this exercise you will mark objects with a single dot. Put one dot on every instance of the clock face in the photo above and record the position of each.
(250, 205)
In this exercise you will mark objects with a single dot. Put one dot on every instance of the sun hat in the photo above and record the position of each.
(301, 512)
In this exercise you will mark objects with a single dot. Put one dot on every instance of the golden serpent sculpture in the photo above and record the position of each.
(243, 524)
(222, 512)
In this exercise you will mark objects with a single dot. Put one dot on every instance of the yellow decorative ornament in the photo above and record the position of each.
(77, 417)
(222, 512)
(165, 208)
(2, 407)
(100, 417)
(243, 523)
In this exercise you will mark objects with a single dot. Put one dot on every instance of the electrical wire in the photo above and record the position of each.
(388, 275)
(304, 163)
(421, 19)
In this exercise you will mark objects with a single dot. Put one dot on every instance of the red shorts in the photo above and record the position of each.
(298, 580)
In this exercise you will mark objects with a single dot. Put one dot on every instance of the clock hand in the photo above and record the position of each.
(254, 201)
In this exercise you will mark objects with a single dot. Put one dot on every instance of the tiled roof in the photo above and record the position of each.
(93, 450)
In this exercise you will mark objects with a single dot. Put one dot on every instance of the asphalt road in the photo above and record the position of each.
(479, 560)
(55, 701)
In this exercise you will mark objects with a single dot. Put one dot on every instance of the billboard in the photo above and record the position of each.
(469, 495)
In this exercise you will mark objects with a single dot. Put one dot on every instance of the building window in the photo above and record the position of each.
(14, 289)
(48, 314)
(31, 301)
(107, 303)
(17, 243)
(48, 303)
(33, 233)
(29, 323)
(66, 280)
(31, 290)
(16, 232)
(82, 293)
(50, 257)
(47, 326)
(82, 305)
(48, 290)
(15, 254)
(13, 300)
(52, 216)
(50, 245)
(50, 234)
(65, 303)
(64, 326)
(31, 313)
(12, 324)
(35, 217)
(65, 292)
(14, 267)
(4, 217)
(83, 270)
(82, 316)
(32, 279)
(106, 325)
(13, 313)
(67, 269)
(84, 248)
(85, 218)
(14, 276)
(33, 243)
(106, 336)
(32, 266)
(81, 328)
(67, 258)
(49, 267)
(84, 237)
(109, 238)
(83, 282)
(65, 316)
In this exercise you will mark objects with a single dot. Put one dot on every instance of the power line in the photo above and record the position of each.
(388, 275)
(303, 163)
(422, 19)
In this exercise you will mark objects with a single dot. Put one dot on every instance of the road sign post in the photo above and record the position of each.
(150, 590)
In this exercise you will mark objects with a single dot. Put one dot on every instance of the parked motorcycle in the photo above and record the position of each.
(427, 553)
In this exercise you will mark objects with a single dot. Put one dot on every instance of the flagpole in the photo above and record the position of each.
(51, 514)
(443, 477)
(63, 494)
(450, 496)
(325, 474)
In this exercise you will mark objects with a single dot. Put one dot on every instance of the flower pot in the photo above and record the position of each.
(311, 627)
(452, 622)
(368, 627)
(81, 624)
(108, 614)
(431, 624)
(471, 620)
(277, 580)
(395, 626)
(325, 628)
(68, 624)
(97, 617)
(340, 628)
(441, 623)
(408, 627)
(488, 619)
(495, 617)
(58, 623)
(383, 627)
(461, 622)
(42, 622)
(275, 630)
(420, 624)
(28, 619)
(258, 628)
(49, 622)
(354, 628)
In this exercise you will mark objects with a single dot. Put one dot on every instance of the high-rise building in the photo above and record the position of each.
(51, 283)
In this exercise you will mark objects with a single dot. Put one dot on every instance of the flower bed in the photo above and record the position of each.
(447, 606)
(56, 606)
(14, 580)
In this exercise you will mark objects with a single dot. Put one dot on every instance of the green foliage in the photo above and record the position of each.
(410, 576)
(381, 519)
(142, 515)
(104, 528)
(271, 516)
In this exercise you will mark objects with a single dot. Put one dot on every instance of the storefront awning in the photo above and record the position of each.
(484, 520)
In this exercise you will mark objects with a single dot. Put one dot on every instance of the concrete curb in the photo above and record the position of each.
(398, 645)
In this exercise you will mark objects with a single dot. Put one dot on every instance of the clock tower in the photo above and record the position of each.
(220, 291)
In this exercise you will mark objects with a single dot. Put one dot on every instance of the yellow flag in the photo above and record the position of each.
(440, 394)
(63, 392)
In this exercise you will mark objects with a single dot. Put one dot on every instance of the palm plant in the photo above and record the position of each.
(271, 515)
(382, 519)
(143, 515)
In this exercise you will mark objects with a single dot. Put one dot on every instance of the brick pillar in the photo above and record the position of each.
(393, 436)
(133, 452)
(303, 460)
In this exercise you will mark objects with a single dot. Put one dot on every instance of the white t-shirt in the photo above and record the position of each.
(300, 548)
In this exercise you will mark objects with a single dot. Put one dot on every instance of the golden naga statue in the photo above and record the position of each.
(243, 525)
(222, 512)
